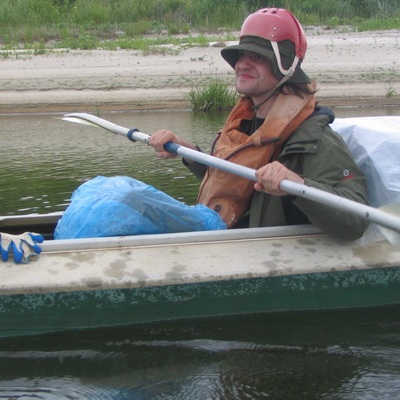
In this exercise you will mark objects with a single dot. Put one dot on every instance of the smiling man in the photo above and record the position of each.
(278, 129)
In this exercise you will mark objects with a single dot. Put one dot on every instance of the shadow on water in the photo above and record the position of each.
(311, 355)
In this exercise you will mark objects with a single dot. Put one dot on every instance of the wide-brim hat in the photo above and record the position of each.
(263, 47)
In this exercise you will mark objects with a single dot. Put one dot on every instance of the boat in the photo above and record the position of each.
(80, 284)
(126, 280)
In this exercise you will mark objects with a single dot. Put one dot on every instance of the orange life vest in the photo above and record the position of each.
(229, 194)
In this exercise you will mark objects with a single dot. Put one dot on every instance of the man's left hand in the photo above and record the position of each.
(270, 176)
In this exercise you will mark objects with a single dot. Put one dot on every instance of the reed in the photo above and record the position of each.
(212, 95)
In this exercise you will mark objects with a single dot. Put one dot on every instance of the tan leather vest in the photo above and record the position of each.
(228, 194)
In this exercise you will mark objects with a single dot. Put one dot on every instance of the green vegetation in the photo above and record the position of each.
(213, 95)
(88, 24)
(166, 26)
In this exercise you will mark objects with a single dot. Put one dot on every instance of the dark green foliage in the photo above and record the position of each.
(42, 20)
(212, 95)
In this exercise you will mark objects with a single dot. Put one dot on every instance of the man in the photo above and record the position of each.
(277, 129)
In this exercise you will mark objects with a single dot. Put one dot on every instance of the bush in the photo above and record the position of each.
(18, 13)
(214, 95)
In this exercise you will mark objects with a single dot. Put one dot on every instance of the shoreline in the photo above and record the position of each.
(356, 69)
(93, 101)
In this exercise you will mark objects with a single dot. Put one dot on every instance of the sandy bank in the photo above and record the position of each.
(351, 69)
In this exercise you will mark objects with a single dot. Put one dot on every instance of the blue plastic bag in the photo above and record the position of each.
(120, 206)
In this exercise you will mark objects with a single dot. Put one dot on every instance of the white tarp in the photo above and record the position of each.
(375, 145)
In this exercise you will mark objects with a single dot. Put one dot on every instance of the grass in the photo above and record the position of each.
(212, 95)
(390, 90)
(146, 44)
(168, 26)
(87, 24)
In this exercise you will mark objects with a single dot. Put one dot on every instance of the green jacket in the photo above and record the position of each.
(320, 156)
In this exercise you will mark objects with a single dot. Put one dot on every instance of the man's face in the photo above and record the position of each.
(254, 75)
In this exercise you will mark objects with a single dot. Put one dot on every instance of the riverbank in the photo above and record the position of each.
(352, 69)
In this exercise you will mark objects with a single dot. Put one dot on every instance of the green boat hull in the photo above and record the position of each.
(114, 282)
(31, 314)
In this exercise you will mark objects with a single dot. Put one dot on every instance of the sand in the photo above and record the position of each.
(350, 68)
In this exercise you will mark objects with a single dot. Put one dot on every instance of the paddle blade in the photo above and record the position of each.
(78, 120)
(391, 235)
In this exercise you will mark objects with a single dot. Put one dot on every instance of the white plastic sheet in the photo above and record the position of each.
(375, 145)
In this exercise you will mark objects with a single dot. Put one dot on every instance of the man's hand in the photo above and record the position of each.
(160, 138)
(23, 246)
(270, 176)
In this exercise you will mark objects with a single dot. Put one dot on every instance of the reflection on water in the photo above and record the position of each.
(334, 355)
(44, 159)
(311, 355)
(47, 158)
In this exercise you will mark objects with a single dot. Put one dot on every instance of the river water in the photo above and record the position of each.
(314, 355)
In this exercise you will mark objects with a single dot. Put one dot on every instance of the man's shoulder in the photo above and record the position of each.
(317, 123)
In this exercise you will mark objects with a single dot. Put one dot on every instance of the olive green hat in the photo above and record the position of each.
(264, 48)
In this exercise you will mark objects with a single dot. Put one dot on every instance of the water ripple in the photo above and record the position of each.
(56, 389)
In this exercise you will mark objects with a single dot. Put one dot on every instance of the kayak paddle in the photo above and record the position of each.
(387, 217)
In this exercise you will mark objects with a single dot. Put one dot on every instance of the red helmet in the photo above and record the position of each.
(277, 34)
(276, 25)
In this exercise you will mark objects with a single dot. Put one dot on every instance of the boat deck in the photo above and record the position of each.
(116, 281)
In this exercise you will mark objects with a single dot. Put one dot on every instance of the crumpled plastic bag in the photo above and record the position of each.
(120, 206)
(375, 145)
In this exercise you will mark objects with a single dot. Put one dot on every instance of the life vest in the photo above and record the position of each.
(228, 194)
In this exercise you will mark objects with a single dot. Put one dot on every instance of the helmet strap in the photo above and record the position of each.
(289, 72)
(271, 92)
(269, 95)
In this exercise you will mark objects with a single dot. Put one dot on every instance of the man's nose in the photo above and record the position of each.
(244, 60)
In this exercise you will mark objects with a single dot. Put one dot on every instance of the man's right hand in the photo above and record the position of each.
(159, 138)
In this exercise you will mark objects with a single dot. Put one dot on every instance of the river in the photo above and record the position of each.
(312, 355)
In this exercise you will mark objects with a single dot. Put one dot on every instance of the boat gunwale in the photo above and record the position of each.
(167, 239)
(70, 251)
(182, 238)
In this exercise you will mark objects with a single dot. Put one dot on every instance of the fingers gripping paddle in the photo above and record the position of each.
(387, 217)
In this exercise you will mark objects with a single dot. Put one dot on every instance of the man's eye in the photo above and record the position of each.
(260, 58)
(252, 56)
